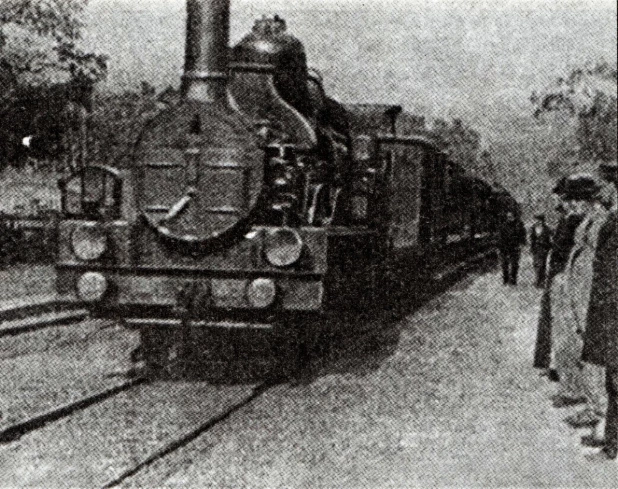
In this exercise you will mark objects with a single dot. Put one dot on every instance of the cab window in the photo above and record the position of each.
(92, 193)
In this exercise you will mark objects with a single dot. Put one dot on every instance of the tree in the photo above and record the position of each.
(39, 42)
(47, 80)
(589, 96)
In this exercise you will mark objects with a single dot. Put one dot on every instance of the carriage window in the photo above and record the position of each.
(92, 193)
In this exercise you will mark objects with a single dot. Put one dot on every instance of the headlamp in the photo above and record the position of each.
(89, 241)
(91, 286)
(283, 247)
(261, 292)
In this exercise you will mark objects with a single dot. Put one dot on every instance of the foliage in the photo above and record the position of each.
(589, 96)
(43, 112)
(46, 78)
(39, 45)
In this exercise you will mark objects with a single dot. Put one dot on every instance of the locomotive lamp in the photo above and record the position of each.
(261, 293)
(91, 287)
(283, 247)
(89, 241)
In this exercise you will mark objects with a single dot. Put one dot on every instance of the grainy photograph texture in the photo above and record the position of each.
(302, 244)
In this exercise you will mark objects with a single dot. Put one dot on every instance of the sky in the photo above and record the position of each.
(440, 56)
(346, 4)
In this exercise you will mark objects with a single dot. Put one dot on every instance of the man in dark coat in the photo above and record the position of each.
(562, 244)
(601, 335)
(540, 244)
(512, 238)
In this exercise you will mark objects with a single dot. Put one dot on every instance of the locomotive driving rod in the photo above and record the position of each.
(206, 51)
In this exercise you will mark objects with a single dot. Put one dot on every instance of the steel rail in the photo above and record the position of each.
(16, 430)
(195, 433)
(43, 321)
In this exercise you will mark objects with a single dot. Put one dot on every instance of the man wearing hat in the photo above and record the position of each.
(601, 335)
(566, 346)
(562, 243)
(540, 244)
(579, 285)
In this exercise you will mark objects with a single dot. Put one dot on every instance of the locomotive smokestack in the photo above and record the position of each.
(206, 52)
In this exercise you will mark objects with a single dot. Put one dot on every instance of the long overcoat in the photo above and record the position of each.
(561, 248)
(581, 263)
(601, 335)
(570, 294)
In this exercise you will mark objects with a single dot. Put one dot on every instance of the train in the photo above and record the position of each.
(258, 202)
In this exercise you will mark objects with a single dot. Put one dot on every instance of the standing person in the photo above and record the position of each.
(601, 335)
(579, 287)
(566, 342)
(512, 238)
(540, 245)
(561, 248)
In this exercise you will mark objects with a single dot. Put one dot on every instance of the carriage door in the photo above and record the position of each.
(401, 161)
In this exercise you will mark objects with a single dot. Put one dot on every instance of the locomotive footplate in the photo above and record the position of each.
(202, 295)
(221, 300)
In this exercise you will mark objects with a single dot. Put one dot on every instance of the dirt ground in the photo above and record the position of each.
(23, 281)
(446, 397)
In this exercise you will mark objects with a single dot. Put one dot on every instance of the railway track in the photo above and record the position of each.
(365, 338)
(17, 429)
(111, 417)
(56, 364)
(36, 322)
(35, 305)
(43, 404)
(113, 439)
(176, 444)
(47, 332)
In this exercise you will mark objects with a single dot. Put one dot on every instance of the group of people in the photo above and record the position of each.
(577, 337)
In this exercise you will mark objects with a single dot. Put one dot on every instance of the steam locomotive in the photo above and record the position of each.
(259, 202)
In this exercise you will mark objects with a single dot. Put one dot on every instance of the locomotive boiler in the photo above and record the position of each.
(258, 202)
